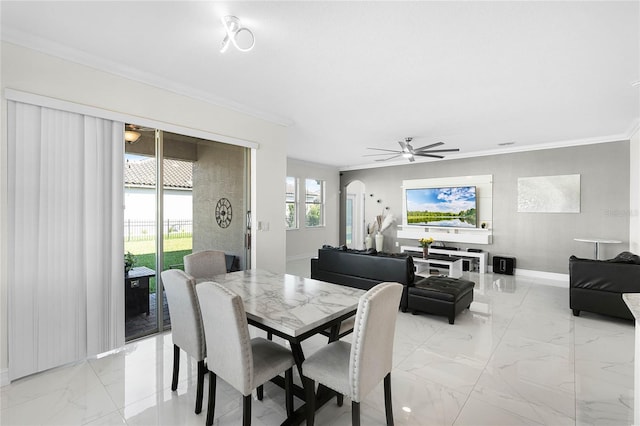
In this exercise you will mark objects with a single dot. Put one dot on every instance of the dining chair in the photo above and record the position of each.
(187, 331)
(205, 264)
(354, 369)
(235, 357)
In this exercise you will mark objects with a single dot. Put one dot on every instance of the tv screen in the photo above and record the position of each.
(448, 207)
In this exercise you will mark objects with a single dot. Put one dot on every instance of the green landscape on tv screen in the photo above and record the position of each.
(454, 207)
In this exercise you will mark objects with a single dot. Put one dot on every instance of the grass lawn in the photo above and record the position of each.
(174, 251)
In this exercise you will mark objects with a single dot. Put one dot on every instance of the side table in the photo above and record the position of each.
(136, 290)
(597, 242)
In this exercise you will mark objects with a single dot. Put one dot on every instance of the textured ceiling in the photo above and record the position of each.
(350, 75)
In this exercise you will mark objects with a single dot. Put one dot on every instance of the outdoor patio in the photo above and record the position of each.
(140, 325)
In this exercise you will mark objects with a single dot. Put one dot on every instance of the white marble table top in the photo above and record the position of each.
(633, 302)
(287, 303)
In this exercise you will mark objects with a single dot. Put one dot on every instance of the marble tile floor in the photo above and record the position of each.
(517, 357)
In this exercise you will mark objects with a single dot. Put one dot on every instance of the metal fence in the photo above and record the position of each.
(140, 230)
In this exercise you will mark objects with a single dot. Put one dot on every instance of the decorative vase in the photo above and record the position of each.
(379, 241)
(368, 242)
(425, 252)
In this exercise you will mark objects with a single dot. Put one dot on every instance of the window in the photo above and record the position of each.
(314, 202)
(290, 213)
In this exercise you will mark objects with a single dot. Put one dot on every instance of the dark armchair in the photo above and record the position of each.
(597, 285)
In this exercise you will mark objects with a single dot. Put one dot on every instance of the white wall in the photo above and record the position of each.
(305, 242)
(634, 193)
(30, 71)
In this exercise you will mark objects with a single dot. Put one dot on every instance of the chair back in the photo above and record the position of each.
(225, 325)
(205, 264)
(372, 343)
(187, 330)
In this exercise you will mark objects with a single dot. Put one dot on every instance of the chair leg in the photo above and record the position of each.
(176, 367)
(288, 391)
(211, 406)
(246, 410)
(199, 391)
(388, 406)
(355, 413)
(260, 392)
(310, 399)
(340, 399)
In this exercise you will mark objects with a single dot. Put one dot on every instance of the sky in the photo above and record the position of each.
(451, 199)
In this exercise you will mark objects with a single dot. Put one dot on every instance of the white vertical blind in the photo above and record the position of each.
(65, 181)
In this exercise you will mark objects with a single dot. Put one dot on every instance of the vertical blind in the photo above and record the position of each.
(65, 239)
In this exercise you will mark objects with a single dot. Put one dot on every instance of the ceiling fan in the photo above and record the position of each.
(409, 152)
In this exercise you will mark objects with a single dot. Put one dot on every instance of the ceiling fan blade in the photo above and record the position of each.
(395, 151)
(390, 158)
(403, 145)
(440, 150)
(422, 154)
(382, 153)
(433, 145)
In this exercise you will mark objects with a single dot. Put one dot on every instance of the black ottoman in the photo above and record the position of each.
(440, 296)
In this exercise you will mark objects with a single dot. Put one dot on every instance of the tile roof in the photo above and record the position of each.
(177, 174)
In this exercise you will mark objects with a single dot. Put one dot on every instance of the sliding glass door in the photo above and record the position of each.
(200, 204)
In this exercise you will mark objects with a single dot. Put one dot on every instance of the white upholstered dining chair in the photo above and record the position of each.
(241, 361)
(354, 369)
(187, 331)
(205, 264)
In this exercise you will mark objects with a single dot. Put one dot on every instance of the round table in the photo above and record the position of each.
(597, 242)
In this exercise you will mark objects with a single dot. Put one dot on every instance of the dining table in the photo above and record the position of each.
(293, 308)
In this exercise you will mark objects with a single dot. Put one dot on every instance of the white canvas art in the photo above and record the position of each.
(549, 194)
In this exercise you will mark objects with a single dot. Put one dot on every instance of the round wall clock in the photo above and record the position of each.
(223, 213)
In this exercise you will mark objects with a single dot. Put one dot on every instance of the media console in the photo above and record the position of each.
(483, 257)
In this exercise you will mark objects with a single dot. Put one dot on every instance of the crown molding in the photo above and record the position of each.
(61, 51)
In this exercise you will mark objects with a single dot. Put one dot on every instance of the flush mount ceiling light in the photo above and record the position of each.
(241, 37)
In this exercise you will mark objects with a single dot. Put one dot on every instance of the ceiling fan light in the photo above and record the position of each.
(407, 155)
(131, 136)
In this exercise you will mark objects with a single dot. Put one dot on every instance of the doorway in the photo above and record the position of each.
(174, 184)
(355, 224)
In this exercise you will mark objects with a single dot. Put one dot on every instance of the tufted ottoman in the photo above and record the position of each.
(440, 296)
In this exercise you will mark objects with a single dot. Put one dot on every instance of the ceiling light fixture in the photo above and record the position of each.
(241, 37)
(131, 136)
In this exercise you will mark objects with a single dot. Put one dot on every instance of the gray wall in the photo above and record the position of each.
(539, 241)
(219, 172)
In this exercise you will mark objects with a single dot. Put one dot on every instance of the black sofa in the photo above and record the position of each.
(364, 269)
(597, 285)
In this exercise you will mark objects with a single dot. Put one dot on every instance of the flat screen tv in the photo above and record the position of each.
(454, 207)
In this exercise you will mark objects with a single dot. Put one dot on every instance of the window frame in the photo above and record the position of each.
(321, 203)
(294, 203)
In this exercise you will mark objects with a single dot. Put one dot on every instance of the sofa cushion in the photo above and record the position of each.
(626, 257)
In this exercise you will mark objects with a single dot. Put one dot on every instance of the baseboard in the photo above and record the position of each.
(301, 257)
(558, 280)
(4, 377)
